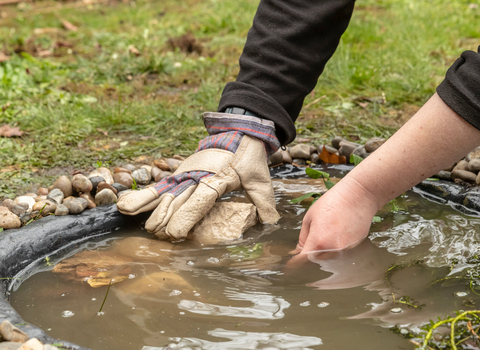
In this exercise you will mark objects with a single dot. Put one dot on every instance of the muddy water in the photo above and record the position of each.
(241, 296)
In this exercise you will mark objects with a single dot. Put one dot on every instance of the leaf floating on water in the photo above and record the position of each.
(331, 158)
(10, 131)
(316, 174)
(305, 196)
(377, 219)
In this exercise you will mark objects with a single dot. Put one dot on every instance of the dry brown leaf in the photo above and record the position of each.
(134, 50)
(44, 53)
(63, 44)
(10, 131)
(3, 57)
(332, 158)
(69, 26)
(102, 131)
(39, 31)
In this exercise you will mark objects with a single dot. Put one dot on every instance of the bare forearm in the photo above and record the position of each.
(432, 140)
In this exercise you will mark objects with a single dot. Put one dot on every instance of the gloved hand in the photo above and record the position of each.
(234, 156)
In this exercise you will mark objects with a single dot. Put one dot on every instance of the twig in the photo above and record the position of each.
(106, 295)
(470, 328)
(315, 101)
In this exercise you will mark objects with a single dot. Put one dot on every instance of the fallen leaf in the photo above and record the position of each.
(102, 131)
(363, 104)
(38, 31)
(69, 26)
(3, 57)
(302, 140)
(63, 44)
(10, 131)
(134, 50)
(332, 158)
(44, 53)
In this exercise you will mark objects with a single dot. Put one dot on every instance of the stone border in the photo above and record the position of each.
(20, 248)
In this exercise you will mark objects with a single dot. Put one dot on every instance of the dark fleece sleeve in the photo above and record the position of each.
(461, 88)
(286, 51)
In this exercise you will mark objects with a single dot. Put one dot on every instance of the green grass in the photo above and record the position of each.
(93, 100)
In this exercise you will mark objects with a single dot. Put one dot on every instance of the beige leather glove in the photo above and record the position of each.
(226, 170)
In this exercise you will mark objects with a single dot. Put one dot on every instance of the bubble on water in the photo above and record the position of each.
(63, 295)
(460, 294)
(190, 263)
(93, 299)
(175, 292)
(133, 307)
(404, 331)
(162, 332)
(396, 310)
(182, 313)
(101, 313)
(197, 294)
(213, 260)
(323, 304)
(131, 276)
(67, 313)
(49, 329)
(305, 303)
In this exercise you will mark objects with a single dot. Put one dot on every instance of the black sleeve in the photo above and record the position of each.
(286, 51)
(461, 88)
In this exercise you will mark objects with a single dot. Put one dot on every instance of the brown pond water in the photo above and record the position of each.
(240, 296)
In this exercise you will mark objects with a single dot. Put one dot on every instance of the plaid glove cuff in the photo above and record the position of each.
(231, 127)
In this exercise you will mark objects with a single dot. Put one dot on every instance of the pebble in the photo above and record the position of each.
(61, 210)
(32, 344)
(89, 198)
(155, 171)
(9, 203)
(42, 191)
(104, 185)
(373, 144)
(443, 175)
(8, 219)
(336, 142)
(162, 175)
(75, 205)
(122, 193)
(315, 159)
(346, 149)
(130, 167)
(103, 172)
(461, 165)
(49, 347)
(474, 165)
(19, 209)
(105, 197)
(64, 184)
(328, 148)
(148, 167)
(120, 169)
(42, 198)
(464, 175)
(300, 151)
(81, 183)
(361, 152)
(25, 199)
(173, 164)
(161, 164)
(276, 158)
(478, 180)
(45, 207)
(299, 162)
(473, 154)
(56, 196)
(95, 180)
(396, 310)
(125, 179)
(119, 187)
(141, 176)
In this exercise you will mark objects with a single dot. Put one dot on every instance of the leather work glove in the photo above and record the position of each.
(233, 156)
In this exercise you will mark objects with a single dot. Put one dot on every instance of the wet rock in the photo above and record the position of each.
(8, 332)
(103, 172)
(474, 165)
(8, 219)
(120, 169)
(162, 175)
(445, 190)
(95, 180)
(157, 283)
(97, 268)
(75, 205)
(287, 158)
(225, 221)
(104, 185)
(148, 167)
(336, 142)
(119, 187)
(315, 159)
(301, 151)
(81, 183)
(141, 176)
(25, 199)
(177, 157)
(124, 179)
(328, 148)
(64, 184)
(276, 158)
(19, 209)
(299, 162)
(473, 154)
(90, 200)
(461, 165)
(122, 193)
(346, 149)
(56, 196)
(443, 175)
(161, 164)
(61, 210)
(130, 167)
(45, 207)
(8, 203)
(42, 191)
(173, 164)
(105, 197)
(143, 160)
(9, 345)
(155, 171)
(30, 194)
(43, 198)
(373, 144)
(361, 152)
(32, 344)
(464, 175)
(25, 218)
(143, 249)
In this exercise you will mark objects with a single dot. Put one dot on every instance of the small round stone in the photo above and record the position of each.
(464, 175)
(45, 207)
(141, 176)
(276, 158)
(155, 171)
(173, 164)
(81, 183)
(373, 144)
(42, 191)
(61, 210)
(461, 165)
(89, 198)
(25, 199)
(123, 178)
(119, 187)
(299, 162)
(105, 197)
(64, 184)
(56, 196)
(315, 159)
(473, 154)
(336, 141)
(9, 203)
(75, 205)
(287, 158)
(95, 180)
(8, 219)
(161, 164)
(120, 169)
(474, 165)
(300, 151)
(19, 209)
(444, 175)
(103, 172)
(104, 185)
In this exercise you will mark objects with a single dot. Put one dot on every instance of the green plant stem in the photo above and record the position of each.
(106, 295)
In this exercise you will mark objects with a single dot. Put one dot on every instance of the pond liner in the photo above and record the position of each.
(21, 248)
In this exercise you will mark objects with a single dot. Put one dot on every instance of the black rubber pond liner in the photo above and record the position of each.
(21, 248)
